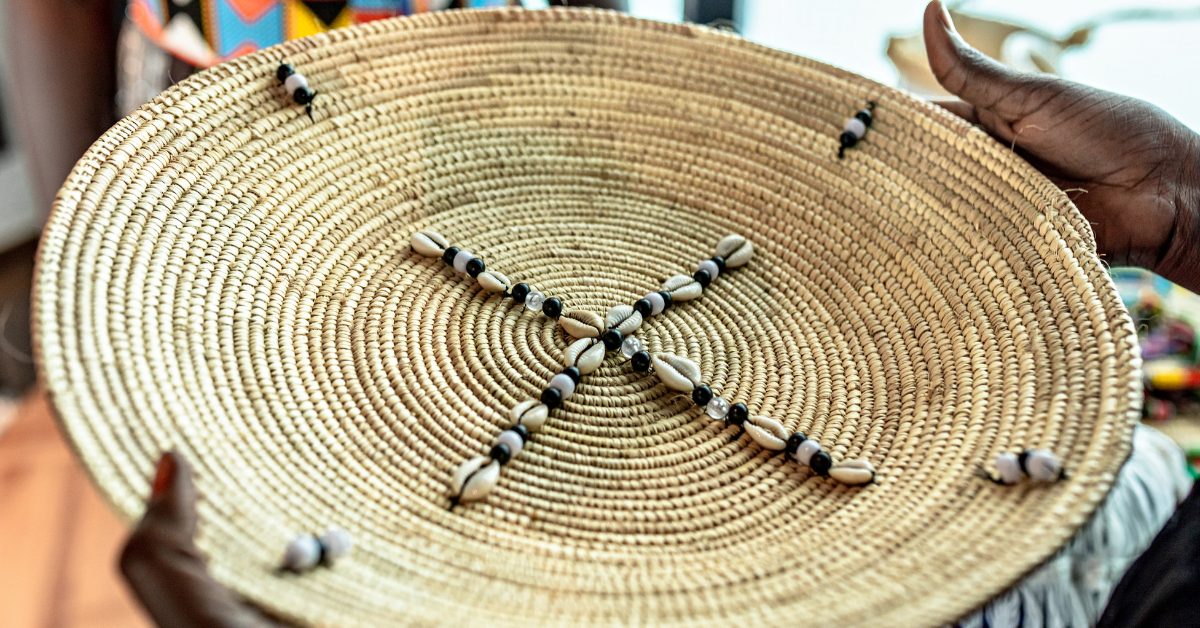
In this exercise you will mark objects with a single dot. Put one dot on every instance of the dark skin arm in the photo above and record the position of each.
(165, 570)
(1132, 169)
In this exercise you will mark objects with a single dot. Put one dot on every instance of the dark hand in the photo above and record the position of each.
(1130, 168)
(164, 568)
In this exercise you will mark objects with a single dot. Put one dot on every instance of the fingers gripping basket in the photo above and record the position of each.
(223, 276)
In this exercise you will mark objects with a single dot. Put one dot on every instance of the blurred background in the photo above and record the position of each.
(70, 68)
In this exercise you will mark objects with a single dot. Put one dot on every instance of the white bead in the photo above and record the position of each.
(717, 408)
(1009, 468)
(461, 259)
(563, 383)
(710, 266)
(513, 440)
(855, 126)
(532, 414)
(657, 303)
(630, 346)
(807, 450)
(295, 82)
(302, 553)
(1043, 466)
(337, 544)
(535, 301)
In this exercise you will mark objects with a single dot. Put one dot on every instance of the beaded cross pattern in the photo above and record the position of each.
(595, 336)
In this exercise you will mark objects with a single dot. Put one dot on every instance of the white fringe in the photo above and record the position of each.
(1072, 588)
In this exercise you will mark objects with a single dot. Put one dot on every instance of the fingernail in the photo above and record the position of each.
(163, 474)
(945, 17)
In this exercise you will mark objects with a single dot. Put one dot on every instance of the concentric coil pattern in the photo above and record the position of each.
(224, 276)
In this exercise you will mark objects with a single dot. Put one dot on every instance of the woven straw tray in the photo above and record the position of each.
(223, 276)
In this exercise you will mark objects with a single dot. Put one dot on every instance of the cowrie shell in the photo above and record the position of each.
(1009, 468)
(493, 281)
(683, 288)
(767, 432)
(531, 414)
(624, 318)
(475, 478)
(853, 472)
(736, 250)
(585, 354)
(581, 323)
(1043, 466)
(429, 243)
(676, 372)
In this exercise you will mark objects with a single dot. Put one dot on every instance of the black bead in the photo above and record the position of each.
(701, 395)
(552, 397)
(521, 431)
(643, 307)
(641, 361)
(448, 255)
(820, 463)
(848, 139)
(666, 299)
(702, 277)
(794, 441)
(552, 307)
(573, 373)
(738, 413)
(302, 95)
(519, 292)
(475, 266)
(865, 116)
(720, 262)
(501, 453)
(612, 338)
(285, 70)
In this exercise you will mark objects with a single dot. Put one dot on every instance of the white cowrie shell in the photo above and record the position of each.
(767, 432)
(532, 414)
(1043, 465)
(1009, 468)
(581, 323)
(475, 478)
(624, 318)
(683, 288)
(853, 472)
(676, 372)
(493, 281)
(337, 543)
(429, 243)
(302, 553)
(736, 250)
(585, 354)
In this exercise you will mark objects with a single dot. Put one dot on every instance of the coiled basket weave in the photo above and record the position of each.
(223, 276)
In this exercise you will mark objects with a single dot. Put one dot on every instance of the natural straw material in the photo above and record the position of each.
(225, 277)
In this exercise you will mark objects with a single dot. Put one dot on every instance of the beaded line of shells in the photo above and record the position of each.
(595, 336)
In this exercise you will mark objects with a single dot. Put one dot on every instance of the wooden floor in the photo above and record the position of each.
(58, 539)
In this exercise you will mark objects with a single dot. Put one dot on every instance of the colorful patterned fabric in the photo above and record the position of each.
(206, 32)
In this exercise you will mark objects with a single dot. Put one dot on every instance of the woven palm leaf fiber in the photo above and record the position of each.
(223, 276)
